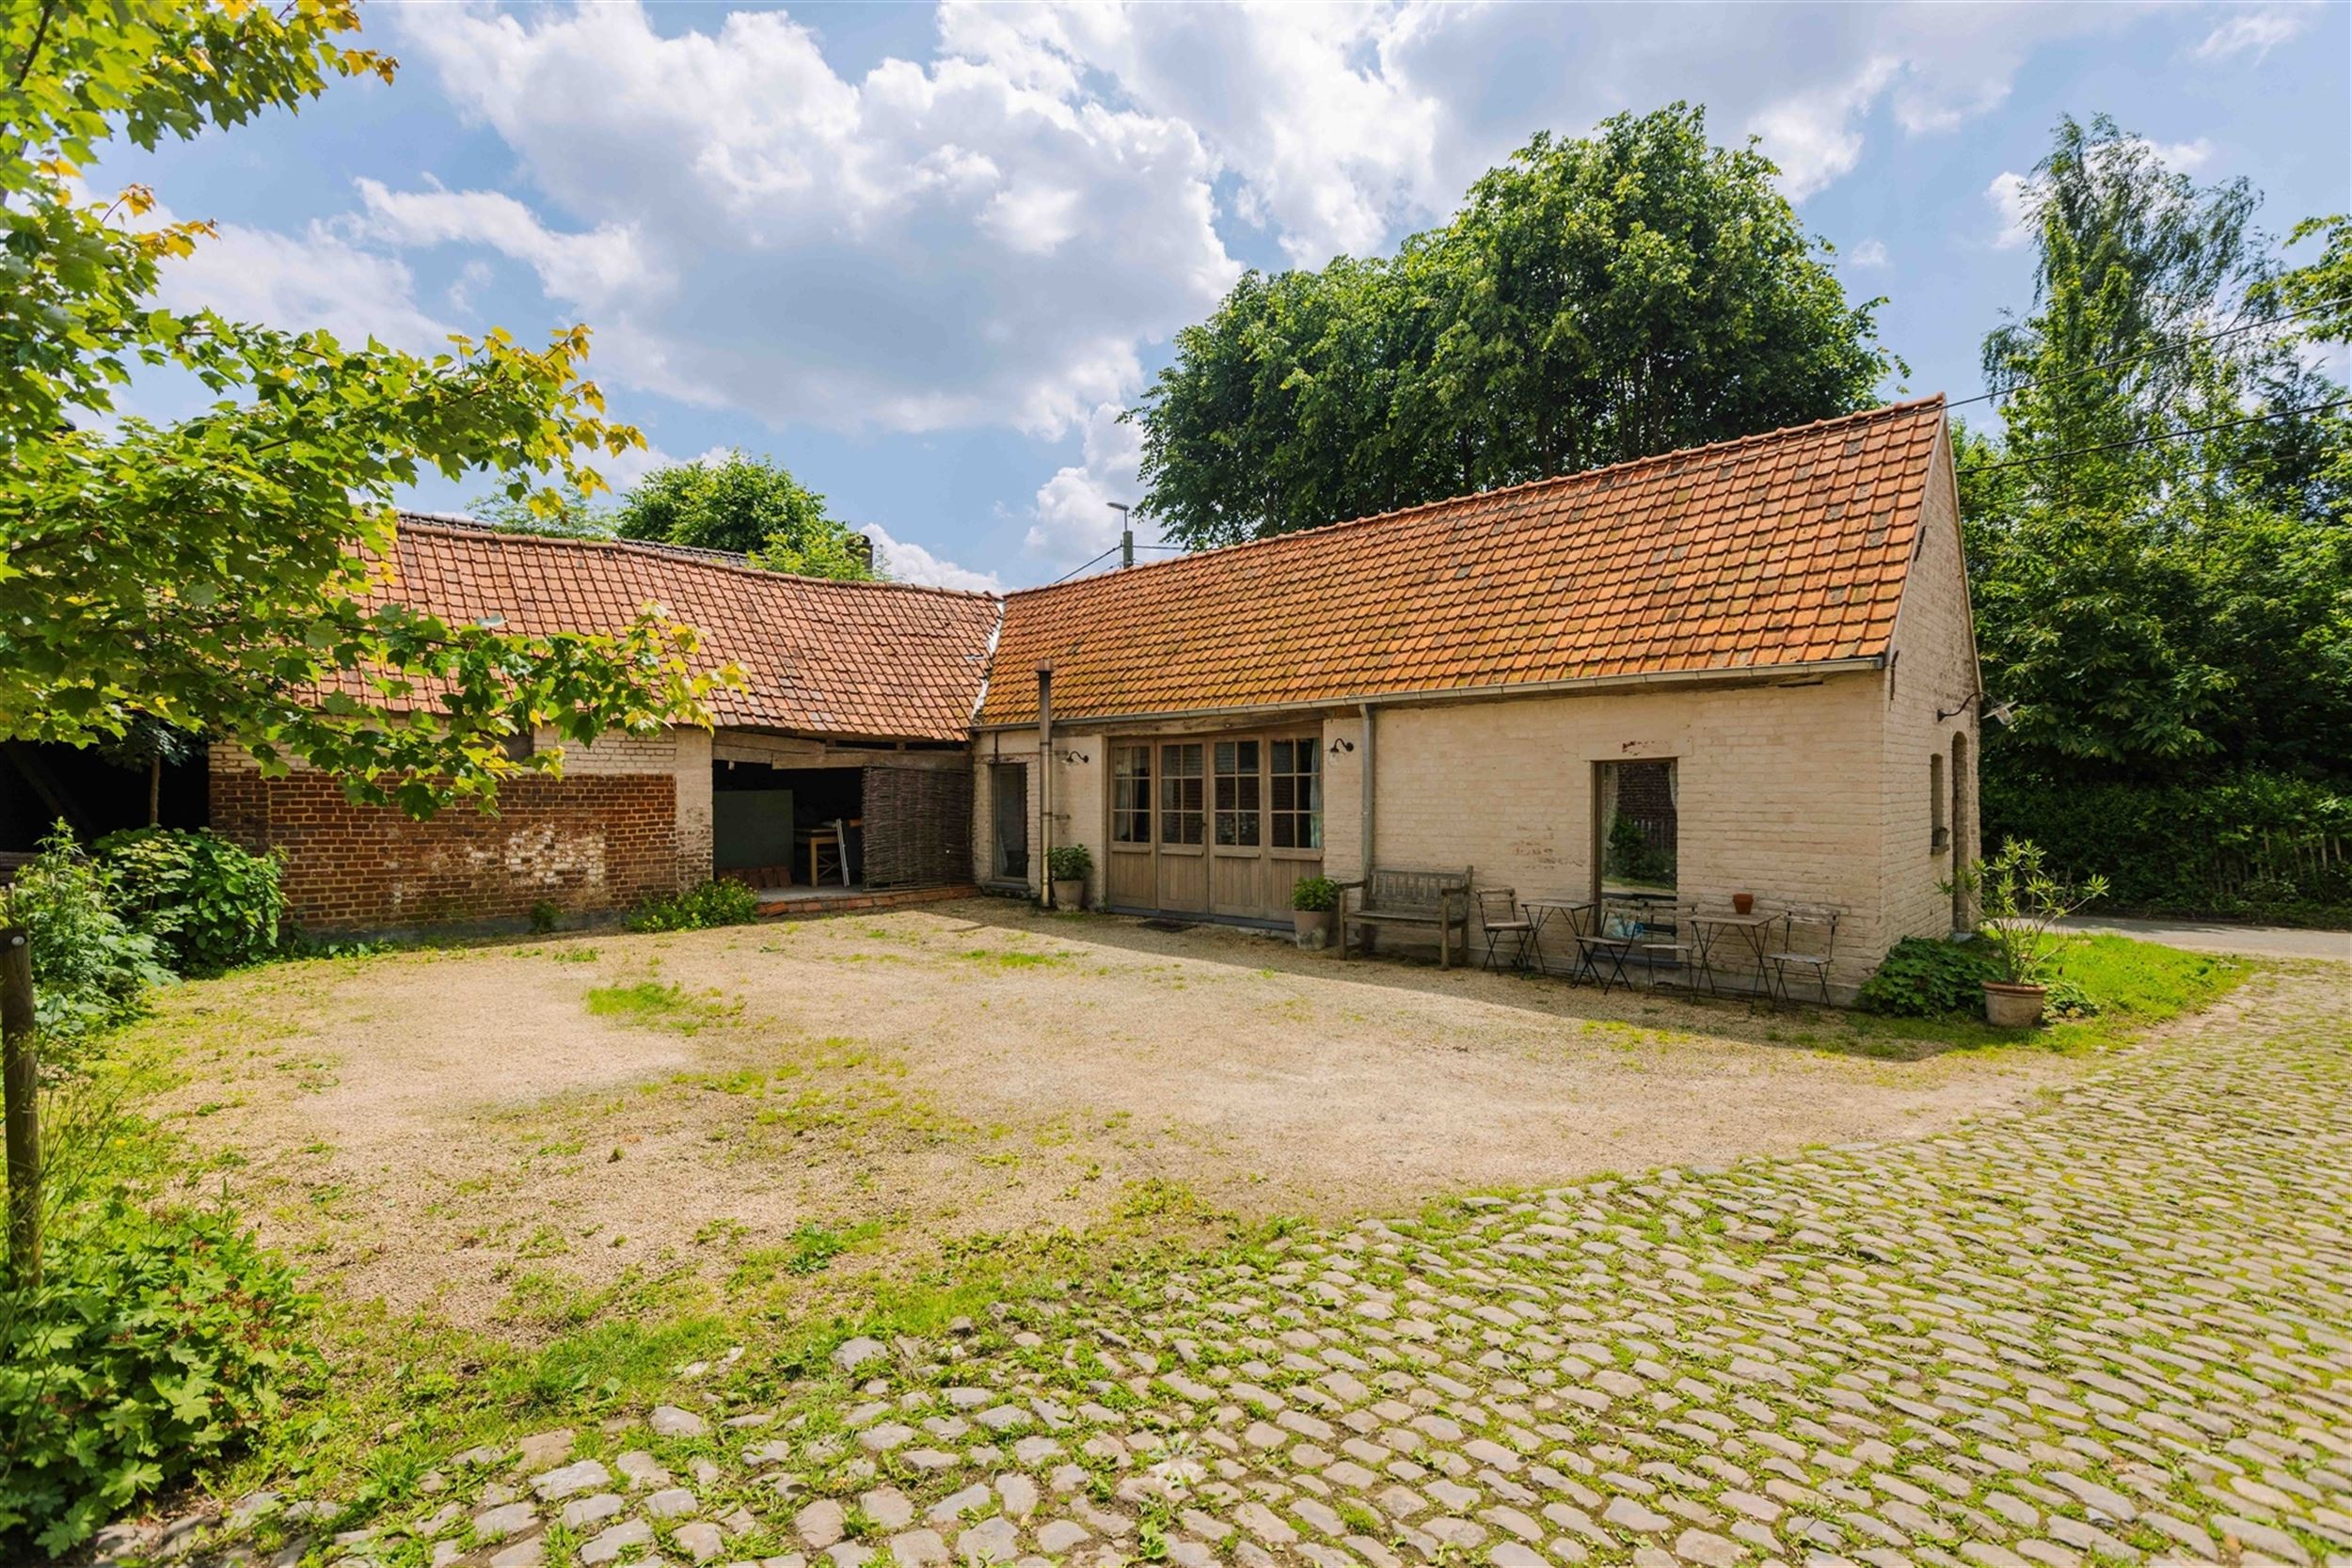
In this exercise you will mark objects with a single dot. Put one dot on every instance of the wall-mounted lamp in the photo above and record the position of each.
(2000, 713)
(1342, 744)
(1076, 756)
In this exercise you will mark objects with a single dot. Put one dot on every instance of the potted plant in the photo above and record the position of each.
(2023, 903)
(1314, 901)
(1068, 866)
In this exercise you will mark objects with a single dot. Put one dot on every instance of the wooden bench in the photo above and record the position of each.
(1384, 898)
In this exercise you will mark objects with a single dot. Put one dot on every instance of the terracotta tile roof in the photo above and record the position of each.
(885, 662)
(1783, 548)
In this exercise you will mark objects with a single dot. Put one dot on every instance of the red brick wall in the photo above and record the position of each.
(584, 842)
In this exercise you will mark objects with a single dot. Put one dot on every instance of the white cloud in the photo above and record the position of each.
(2012, 195)
(1072, 515)
(1869, 253)
(2183, 157)
(1813, 135)
(928, 247)
(313, 280)
(908, 561)
(590, 271)
(2251, 32)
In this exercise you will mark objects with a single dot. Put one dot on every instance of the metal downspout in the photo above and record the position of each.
(1364, 825)
(1045, 784)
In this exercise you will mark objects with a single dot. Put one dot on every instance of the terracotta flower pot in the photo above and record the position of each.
(1743, 903)
(1313, 928)
(2007, 1007)
(1070, 892)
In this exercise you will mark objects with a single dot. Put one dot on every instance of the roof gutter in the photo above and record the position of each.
(1753, 675)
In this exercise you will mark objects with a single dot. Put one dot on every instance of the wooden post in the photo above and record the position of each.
(17, 1079)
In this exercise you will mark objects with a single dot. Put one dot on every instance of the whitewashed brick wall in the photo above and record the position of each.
(1934, 669)
(1779, 792)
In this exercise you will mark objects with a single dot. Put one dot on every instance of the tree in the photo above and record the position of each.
(563, 511)
(2159, 542)
(222, 574)
(1595, 300)
(750, 505)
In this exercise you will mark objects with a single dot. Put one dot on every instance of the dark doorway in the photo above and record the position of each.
(1639, 829)
(1008, 819)
(751, 818)
(40, 784)
(796, 826)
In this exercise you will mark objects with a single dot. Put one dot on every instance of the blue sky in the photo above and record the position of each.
(922, 255)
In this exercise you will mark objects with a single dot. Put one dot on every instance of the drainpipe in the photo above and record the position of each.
(1364, 824)
(1046, 782)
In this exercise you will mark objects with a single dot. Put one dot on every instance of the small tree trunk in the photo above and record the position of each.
(155, 792)
(19, 1080)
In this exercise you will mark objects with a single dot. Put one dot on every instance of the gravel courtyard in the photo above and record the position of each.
(433, 1126)
(2114, 1328)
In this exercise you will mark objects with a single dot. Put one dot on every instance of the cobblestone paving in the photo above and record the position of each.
(2118, 1329)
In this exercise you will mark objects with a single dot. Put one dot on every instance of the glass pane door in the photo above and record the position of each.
(1237, 794)
(1183, 807)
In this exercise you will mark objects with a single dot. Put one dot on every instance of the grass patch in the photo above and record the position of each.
(2136, 986)
(1003, 958)
(651, 1002)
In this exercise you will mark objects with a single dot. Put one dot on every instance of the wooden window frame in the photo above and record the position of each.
(1173, 812)
(1251, 783)
(1310, 746)
(1132, 817)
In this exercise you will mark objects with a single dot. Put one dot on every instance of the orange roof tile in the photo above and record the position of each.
(883, 661)
(1784, 548)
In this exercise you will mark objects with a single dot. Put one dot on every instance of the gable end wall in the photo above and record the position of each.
(1934, 670)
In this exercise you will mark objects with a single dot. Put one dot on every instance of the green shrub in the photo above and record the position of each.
(1314, 893)
(1069, 862)
(155, 1341)
(1929, 977)
(211, 905)
(715, 903)
(2248, 846)
(91, 968)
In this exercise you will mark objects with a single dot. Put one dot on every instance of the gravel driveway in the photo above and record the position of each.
(426, 1126)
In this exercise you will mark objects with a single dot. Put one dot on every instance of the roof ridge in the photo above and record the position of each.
(1859, 416)
(733, 561)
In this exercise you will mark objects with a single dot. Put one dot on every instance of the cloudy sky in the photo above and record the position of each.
(923, 256)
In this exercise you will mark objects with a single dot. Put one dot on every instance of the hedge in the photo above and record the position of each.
(2251, 845)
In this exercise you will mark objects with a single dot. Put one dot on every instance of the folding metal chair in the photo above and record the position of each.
(1680, 958)
(1603, 952)
(1808, 945)
(1501, 918)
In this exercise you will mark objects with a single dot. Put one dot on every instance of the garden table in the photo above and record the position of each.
(1750, 930)
(1541, 911)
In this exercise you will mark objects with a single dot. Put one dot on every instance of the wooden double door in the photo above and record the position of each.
(1217, 825)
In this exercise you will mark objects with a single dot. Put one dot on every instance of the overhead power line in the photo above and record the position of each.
(1082, 566)
(2168, 435)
